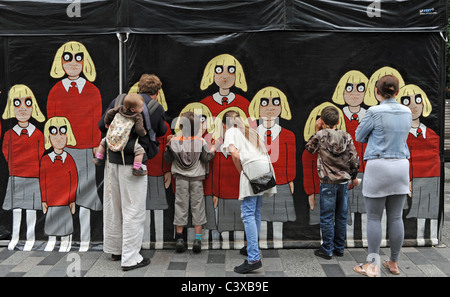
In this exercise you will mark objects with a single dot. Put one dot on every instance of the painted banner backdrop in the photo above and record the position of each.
(54, 89)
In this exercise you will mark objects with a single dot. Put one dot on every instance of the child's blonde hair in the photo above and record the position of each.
(73, 47)
(22, 91)
(223, 60)
(58, 122)
(269, 92)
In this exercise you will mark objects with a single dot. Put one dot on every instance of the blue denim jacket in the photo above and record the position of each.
(385, 128)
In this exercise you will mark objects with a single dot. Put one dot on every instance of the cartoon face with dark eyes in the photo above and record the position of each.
(354, 93)
(23, 107)
(270, 108)
(225, 76)
(415, 104)
(72, 63)
(58, 136)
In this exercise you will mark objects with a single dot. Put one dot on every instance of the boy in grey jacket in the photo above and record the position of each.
(190, 158)
(337, 164)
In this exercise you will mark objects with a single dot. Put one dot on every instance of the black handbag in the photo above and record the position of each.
(263, 181)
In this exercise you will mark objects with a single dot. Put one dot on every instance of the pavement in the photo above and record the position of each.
(430, 261)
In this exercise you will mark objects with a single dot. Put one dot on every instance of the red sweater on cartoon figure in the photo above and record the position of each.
(83, 110)
(58, 179)
(23, 151)
(351, 124)
(282, 151)
(157, 166)
(225, 177)
(424, 153)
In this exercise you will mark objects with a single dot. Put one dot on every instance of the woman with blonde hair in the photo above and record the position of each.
(23, 147)
(247, 151)
(77, 99)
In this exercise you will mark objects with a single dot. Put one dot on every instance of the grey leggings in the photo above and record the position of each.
(396, 232)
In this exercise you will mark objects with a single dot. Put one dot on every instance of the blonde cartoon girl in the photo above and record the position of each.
(225, 71)
(77, 99)
(207, 133)
(311, 182)
(227, 206)
(23, 147)
(423, 144)
(351, 92)
(268, 106)
(58, 178)
(159, 179)
(371, 97)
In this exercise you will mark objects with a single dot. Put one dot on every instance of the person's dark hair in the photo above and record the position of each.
(387, 86)
(149, 84)
(189, 123)
(330, 116)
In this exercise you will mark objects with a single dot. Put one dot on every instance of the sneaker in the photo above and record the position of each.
(139, 172)
(197, 246)
(321, 253)
(338, 254)
(116, 257)
(97, 162)
(144, 262)
(247, 267)
(180, 246)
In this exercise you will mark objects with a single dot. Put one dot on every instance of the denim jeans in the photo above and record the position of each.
(333, 216)
(251, 215)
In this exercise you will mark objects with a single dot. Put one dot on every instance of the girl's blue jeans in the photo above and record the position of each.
(333, 216)
(251, 215)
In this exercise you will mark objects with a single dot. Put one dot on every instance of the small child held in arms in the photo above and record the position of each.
(189, 154)
(132, 107)
(337, 164)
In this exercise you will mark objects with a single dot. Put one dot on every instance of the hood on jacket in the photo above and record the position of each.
(334, 142)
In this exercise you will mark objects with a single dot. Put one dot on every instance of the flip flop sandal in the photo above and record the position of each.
(362, 271)
(386, 264)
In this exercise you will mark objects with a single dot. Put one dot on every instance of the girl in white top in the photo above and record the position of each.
(245, 147)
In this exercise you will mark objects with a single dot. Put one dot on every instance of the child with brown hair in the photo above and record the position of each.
(132, 108)
(337, 164)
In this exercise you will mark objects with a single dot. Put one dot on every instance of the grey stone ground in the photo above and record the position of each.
(414, 261)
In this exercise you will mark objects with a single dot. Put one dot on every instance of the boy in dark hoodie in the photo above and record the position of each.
(190, 156)
(337, 165)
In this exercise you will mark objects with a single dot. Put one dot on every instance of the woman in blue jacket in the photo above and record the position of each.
(385, 128)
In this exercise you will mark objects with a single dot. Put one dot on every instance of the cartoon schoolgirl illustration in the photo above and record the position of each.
(351, 92)
(226, 72)
(210, 211)
(159, 179)
(423, 144)
(77, 99)
(311, 182)
(268, 106)
(226, 201)
(371, 97)
(23, 147)
(58, 178)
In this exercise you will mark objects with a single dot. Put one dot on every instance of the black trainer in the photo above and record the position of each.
(322, 254)
(143, 263)
(247, 267)
(197, 246)
(180, 246)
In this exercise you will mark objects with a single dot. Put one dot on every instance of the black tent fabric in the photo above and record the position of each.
(302, 49)
(186, 16)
